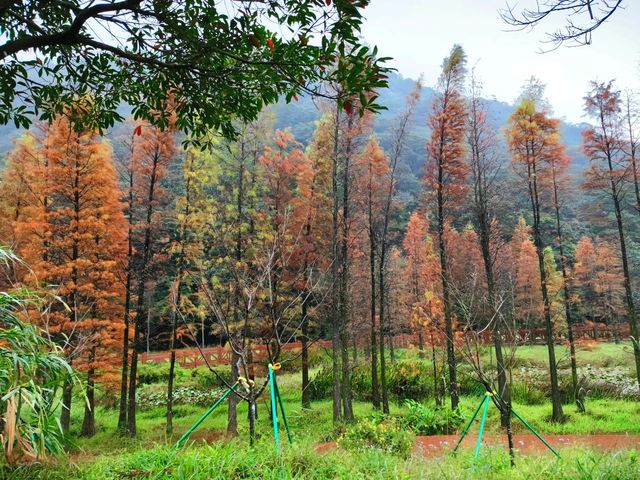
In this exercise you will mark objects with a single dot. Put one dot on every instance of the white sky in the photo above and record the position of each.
(420, 33)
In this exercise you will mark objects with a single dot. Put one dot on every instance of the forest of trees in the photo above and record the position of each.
(260, 239)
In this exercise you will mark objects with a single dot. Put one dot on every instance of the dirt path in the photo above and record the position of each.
(437, 445)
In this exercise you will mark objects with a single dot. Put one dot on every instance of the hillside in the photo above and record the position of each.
(301, 117)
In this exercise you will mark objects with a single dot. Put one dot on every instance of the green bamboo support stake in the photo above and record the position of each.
(466, 429)
(206, 414)
(274, 409)
(531, 429)
(535, 433)
(284, 417)
(482, 422)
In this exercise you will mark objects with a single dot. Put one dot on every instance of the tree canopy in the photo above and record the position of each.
(216, 62)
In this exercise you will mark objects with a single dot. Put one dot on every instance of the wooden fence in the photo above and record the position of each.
(221, 355)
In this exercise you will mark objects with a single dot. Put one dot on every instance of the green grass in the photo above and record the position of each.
(596, 354)
(233, 460)
(208, 454)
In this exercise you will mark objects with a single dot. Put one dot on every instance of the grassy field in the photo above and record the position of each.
(209, 455)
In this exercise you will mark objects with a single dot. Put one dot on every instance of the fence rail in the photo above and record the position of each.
(221, 355)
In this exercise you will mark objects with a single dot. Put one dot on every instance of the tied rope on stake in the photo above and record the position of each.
(275, 396)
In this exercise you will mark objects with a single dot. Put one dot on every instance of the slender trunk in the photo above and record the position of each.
(448, 320)
(557, 413)
(122, 416)
(306, 401)
(375, 395)
(567, 298)
(140, 306)
(347, 407)
(65, 413)
(252, 421)
(89, 421)
(420, 344)
(172, 361)
(177, 296)
(383, 366)
(392, 350)
(133, 375)
(631, 309)
(124, 374)
(335, 314)
(232, 416)
(436, 383)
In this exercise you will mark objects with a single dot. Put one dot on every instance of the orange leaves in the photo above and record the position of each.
(74, 236)
(446, 169)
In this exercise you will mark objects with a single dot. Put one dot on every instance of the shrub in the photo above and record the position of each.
(407, 379)
(152, 398)
(428, 421)
(205, 378)
(379, 432)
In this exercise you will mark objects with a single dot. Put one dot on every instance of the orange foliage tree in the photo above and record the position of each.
(73, 235)
(604, 144)
(311, 217)
(533, 138)
(152, 151)
(445, 176)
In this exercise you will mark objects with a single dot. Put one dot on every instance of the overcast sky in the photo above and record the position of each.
(420, 33)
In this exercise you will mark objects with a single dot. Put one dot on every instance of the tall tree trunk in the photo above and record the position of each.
(347, 407)
(89, 421)
(65, 413)
(567, 298)
(436, 382)
(140, 306)
(335, 314)
(172, 361)
(557, 413)
(122, 415)
(631, 309)
(446, 300)
(306, 401)
(375, 395)
(124, 374)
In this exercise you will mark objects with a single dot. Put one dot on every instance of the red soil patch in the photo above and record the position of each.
(431, 446)
(437, 445)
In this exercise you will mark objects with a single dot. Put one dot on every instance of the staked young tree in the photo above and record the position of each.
(485, 171)
(533, 137)
(445, 177)
(604, 144)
